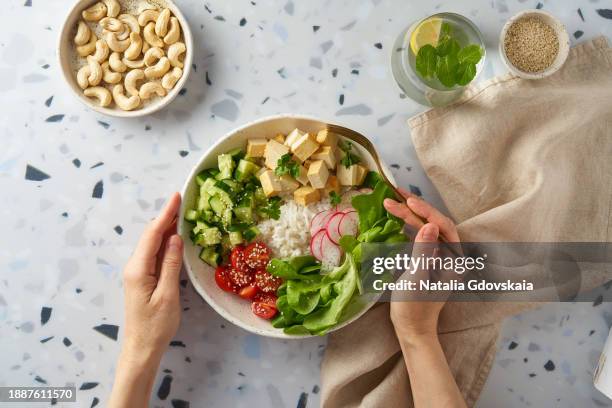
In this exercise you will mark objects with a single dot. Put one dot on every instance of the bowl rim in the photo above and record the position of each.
(562, 36)
(68, 74)
(181, 223)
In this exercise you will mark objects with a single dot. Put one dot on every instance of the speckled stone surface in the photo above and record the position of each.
(78, 187)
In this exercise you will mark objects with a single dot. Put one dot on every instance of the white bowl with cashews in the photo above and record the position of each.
(125, 58)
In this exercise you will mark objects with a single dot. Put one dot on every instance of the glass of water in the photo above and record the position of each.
(430, 91)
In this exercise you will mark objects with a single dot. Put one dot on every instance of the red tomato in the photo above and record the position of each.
(257, 255)
(248, 292)
(237, 258)
(222, 279)
(266, 282)
(267, 298)
(263, 310)
(240, 278)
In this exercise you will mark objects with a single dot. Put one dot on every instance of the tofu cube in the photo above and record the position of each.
(293, 137)
(303, 176)
(327, 138)
(280, 138)
(270, 183)
(306, 195)
(288, 183)
(318, 174)
(256, 147)
(327, 154)
(352, 176)
(331, 185)
(274, 151)
(304, 147)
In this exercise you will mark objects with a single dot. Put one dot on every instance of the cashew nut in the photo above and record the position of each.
(86, 49)
(102, 51)
(82, 76)
(161, 24)
(124, 33)
(152, 56)
(111, 24)
(124, 102)
(115, 44)
(174, 32)
(131, 22)
(95, 71)
(131, 80)
(147, 90)
(151, 37)
(116, 64)
(158, 70)
(102, 94)
(135, 47)
(147, 16)
(145, 47)
(174, 54)
(109, 76)
(171, 78)
(113, 7)
(82, 34)
(95, 12)
(133, 63)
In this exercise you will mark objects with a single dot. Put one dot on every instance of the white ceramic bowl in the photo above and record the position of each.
(228, 305)
(562, 36)
(65, 53)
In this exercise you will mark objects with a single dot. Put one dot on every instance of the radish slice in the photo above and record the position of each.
(318, 221)
(331, 253)
(349, 224)
(315, 244)
(332, 227)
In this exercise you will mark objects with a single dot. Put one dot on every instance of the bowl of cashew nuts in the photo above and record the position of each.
(125, 58)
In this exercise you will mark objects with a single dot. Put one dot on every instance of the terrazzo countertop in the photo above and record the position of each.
(77, 188)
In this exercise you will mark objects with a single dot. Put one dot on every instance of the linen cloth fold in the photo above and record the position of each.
(514, 161)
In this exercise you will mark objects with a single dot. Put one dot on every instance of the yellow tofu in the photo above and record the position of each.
(293, 137)
(331, 185)
(306, 195)
(274, 151)
(352, 176)
(256, 147)
(318, 174)
(327, 138)
(303, 176)
(270, 183)
(327, 154)
(280, 138)
(288, 183)
(304, 147)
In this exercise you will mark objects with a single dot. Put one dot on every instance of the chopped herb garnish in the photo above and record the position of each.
(334, 198)
(286, 165)
(349, 158)
(272, 208)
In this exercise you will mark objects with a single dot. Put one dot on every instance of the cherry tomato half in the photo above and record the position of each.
(237, 259)
(267, 298)
(266, 282)
(239, 278)
(248, 292)
(222, 279)
(263, 310)
(257, 255)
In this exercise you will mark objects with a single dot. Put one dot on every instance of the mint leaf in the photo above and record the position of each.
(446, 70)
(470, 54)
(448, 46)
(426, 61)
(445, 30)
(465, 73)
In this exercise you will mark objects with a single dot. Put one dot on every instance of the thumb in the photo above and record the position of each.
(428, 234)
(172, 260)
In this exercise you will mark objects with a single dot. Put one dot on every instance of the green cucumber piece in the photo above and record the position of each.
(245, 169)
(211, 256)
(226, 166)
(191, 215)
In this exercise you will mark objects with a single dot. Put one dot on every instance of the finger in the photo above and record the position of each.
(151, 239)
(402, 211)
(432, 215)
(425, 244)
(160, 254)
(171, 263)
(407, 194)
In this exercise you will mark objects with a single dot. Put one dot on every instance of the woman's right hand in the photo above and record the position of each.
(413, 318)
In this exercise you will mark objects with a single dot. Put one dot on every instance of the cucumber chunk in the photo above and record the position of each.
(226, 166)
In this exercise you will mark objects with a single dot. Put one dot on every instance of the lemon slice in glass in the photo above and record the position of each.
(428, 32)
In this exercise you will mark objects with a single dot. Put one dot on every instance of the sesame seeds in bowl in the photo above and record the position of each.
(534, 44)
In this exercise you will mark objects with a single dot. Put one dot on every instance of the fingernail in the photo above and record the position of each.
(412, 201)
(388, 202)
(430, 232)
(175, 242)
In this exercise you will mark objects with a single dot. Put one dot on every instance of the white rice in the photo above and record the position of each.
(290, 234)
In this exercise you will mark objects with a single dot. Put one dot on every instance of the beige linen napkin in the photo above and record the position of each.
(514, 160)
